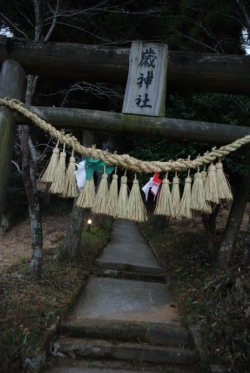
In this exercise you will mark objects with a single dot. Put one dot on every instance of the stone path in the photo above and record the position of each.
(125, 316)
(127, 250)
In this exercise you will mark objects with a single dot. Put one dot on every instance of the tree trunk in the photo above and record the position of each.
(107, 144)
(209, 222)
(227, 244)
(246, 244)
(34, 208)
(204, 72)
(29, 179)
(72, 248)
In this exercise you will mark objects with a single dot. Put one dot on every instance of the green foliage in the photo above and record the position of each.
(217, 301)
(209, 107)
(97, 237)
(58, 205)
(203, 26)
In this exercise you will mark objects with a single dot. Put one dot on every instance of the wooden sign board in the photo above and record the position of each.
(146, 86)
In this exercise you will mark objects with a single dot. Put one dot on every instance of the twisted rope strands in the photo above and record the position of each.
(124, 161)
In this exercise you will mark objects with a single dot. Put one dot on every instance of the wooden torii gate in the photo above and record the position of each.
(186, 70)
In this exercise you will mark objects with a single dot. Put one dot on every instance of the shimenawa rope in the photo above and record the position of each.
(124, 161)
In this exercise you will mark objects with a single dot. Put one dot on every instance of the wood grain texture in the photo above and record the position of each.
(146, 86)
(168, 128)
(187, 71)
(12, 83)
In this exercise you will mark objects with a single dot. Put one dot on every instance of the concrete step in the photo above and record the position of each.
(126, 300)
(129, 267)
(127, 251)
(127, 331)
(102, 349)
(129, 274)
(74, 365)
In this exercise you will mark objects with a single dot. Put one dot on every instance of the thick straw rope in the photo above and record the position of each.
(124, 161)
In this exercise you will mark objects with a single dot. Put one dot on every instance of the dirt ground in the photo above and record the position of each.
(16, 243)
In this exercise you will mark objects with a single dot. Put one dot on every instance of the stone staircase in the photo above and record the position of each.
(126, 316)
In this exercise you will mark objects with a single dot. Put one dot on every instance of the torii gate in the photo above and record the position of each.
(217, 73)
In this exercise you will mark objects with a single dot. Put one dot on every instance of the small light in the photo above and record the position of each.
(89, 225)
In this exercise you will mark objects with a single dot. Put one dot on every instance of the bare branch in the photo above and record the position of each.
(17, 166)
(88, 32)
(100, 90)
(241, 104)
(54, 21)
(199, 42)
(13, 26)
(42, 18)
(242, 7)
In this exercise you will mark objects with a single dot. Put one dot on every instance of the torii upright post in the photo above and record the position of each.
(12, 85)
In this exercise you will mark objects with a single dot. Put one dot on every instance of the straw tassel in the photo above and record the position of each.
(164, 203)
(175, 192)
(101, 200)
(185, 204)
(50, 171)
(58, 182)
(211, 189)
(198, 202)
(136, 210)
(86, 197)
(122, 198)
(204, 176)
(113, 196)
(70, 188)
(224, 189)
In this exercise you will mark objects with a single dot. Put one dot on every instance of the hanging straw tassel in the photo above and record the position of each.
(175, 192)
(50, 171)
(211, 189)
(185, 204)
(198, 202)
(102, 196)
(122, 198)
(224, 189)
(204, 176)
(164, 203)
(70, 188)
(58, 182)
(86, 197)
(113, 196)
(136, 210)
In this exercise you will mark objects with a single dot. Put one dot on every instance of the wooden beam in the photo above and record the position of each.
(168, 128)
(12, 84)
(187, 71)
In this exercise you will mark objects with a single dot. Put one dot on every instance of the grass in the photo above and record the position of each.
(216, 300)
(27, 307)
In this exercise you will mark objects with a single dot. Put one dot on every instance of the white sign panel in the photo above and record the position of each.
(146, 86)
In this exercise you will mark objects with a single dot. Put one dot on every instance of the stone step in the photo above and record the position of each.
(127, 331)
(129, 267)
(73, 365)
(130, 274)
(141, 352)
(126, 300)
(127, 251)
